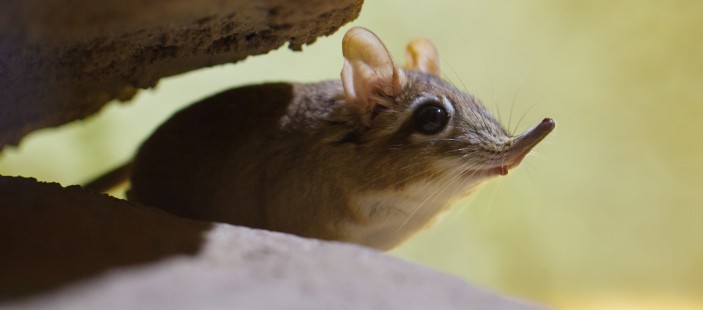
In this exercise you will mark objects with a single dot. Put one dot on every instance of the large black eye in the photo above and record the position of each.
(431, 119)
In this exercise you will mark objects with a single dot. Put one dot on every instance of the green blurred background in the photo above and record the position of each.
(606, 214)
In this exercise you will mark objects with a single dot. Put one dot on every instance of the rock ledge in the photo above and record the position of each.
(103, 253)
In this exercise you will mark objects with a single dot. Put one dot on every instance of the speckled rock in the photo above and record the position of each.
(62, 60)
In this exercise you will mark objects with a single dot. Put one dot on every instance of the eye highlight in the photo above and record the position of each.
(431, 118)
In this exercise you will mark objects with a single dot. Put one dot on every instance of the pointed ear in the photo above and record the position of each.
(422, 56)
(368, 72)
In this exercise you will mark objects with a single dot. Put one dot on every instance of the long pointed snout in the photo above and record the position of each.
(523, 143)
(526, 141)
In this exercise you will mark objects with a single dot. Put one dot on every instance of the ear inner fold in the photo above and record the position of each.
(369, 71)
(421, 55)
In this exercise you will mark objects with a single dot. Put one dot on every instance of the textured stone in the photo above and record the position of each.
(62, 60)
(147, 259)
(51, 236)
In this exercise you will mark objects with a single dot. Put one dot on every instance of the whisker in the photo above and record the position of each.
(451, 180)
(487, 210)
(525, 113)
(512, 107)
(414, 211)
(455, 74)
(401, 181)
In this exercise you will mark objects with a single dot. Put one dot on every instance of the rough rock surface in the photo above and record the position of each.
(62, 60)
(102, 253)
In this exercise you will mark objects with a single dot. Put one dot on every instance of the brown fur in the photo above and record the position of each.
(248, 158)
(322, 161)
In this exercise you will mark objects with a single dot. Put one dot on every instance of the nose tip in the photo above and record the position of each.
(527, 140)
(548, 123)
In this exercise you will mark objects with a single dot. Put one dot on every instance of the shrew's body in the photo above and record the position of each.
(369, 159)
